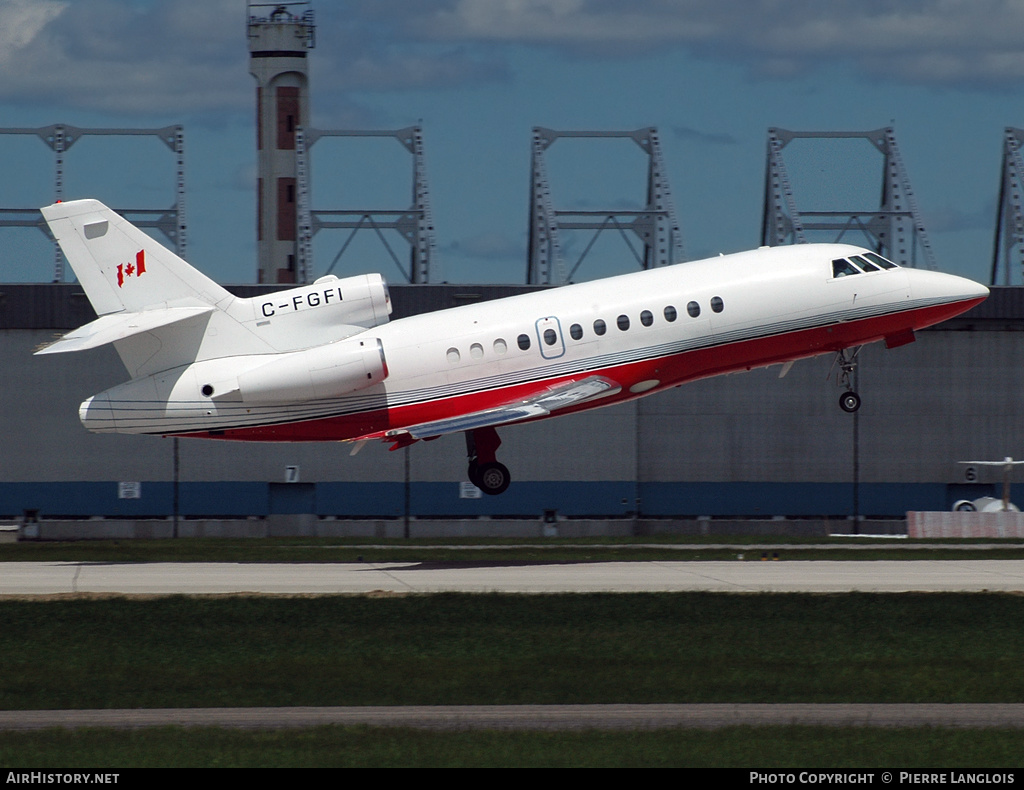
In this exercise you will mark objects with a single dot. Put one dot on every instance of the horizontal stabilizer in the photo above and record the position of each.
(118, 326)
(538, 405)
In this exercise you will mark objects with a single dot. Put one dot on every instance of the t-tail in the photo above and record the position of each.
(121, 268)
(160, 313)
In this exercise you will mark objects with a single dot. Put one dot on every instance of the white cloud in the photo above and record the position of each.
(176, 58)
(21, 21)
(179, 57)
(491, 246)
(567, 21)
(161, 58)
(921, 41)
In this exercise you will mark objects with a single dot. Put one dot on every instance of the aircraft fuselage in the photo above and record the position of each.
(644, 331)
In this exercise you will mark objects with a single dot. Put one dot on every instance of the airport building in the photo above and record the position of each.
(751, 446)
(745, 446)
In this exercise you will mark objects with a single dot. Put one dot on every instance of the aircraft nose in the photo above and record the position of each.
(941, 288)
(972, 289)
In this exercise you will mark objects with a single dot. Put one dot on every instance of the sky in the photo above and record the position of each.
(478, 75)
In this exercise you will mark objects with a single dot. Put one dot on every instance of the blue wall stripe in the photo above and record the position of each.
(523, 499)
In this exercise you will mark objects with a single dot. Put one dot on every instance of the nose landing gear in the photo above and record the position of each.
(849, 401)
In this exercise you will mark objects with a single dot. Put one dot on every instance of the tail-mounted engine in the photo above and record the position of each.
(332, 307)
(316, 373)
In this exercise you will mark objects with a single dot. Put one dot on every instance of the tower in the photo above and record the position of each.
(1008, 253)
(278, 44)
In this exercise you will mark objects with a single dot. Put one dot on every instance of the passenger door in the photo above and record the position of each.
(549, 337)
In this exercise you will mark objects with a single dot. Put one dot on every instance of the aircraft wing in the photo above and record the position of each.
(118, 326)
(540, 404)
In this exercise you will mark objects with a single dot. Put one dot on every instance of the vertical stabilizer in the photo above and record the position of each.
(120, 267)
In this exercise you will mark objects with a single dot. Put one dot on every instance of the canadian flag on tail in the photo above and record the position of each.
(132, 270)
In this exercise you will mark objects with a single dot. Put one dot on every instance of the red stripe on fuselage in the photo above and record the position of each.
(669, 371)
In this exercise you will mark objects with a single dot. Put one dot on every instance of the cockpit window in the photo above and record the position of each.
(885, 264)
(842, 267)
(865, 264)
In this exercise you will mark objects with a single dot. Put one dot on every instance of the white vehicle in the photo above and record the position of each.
(322, 362)
(989, 504)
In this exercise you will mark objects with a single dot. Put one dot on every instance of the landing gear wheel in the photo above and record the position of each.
(849, 402)
(492, 478)
(474, 474)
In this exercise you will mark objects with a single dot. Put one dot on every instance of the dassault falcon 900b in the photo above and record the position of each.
(322, 362)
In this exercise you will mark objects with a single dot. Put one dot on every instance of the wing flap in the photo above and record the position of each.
(118, 326)
(540, 404)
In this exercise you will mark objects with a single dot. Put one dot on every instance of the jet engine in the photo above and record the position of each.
(361, 301)
(215, 393)
(316, 373)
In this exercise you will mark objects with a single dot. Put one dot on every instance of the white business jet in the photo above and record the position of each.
(322, 362)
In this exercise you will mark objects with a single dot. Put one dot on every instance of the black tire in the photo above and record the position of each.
(474, 474)
(849, 402)
(492, 479)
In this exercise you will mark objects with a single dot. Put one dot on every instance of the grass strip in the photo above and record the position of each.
(760, 748)
(503, 550)
(180, 651)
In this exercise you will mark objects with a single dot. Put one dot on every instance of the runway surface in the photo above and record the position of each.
(196, 578)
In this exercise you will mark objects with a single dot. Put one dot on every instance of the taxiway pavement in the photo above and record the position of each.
(200, 578)
(534, 717)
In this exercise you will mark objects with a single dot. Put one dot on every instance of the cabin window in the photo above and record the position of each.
(453, 355)
(599, 327)
(622, 322)
(576, 332)
(646, 318)
(550, 337)
(693, 309)
(717, 305)
(670, 314)
(843, 268)
(500, 347)
(476, 351)
(524, 342)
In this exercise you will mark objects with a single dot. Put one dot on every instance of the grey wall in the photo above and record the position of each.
(953, 395)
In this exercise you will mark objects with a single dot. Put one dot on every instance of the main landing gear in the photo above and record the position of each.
(485, 472)
(849, 401)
